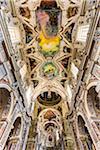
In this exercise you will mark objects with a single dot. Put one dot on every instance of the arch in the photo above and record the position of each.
(9, 89)
(6, 86)
(54, 88)
(56, 124)
(92, 100)
(19, 115)
(44, 87)
(6, 106)
(49, 98)
(84, 135)
(43, 112)
(49, 128)
(14, 136)
(81, 125)
(16, 127)
(48, 116)
(5, 103)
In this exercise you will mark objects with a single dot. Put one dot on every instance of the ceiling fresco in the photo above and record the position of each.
(50, 70)
(48, 21)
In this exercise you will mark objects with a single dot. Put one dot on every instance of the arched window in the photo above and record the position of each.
(13, 138)
(84, 135)
(93, 101)
(5, 103)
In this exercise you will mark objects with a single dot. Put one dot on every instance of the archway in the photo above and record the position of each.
(14, 136)
(93, 101)
(5, 103)
(49, 129)
(84, 135)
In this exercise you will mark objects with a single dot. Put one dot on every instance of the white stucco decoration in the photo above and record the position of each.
(74, 70)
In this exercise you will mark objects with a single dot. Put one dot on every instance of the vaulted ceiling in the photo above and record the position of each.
(48, 38)
(48, 44)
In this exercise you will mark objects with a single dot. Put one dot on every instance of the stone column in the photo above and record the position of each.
(68, 135)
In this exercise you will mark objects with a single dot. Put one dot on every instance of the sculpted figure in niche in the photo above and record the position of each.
(23, 72)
